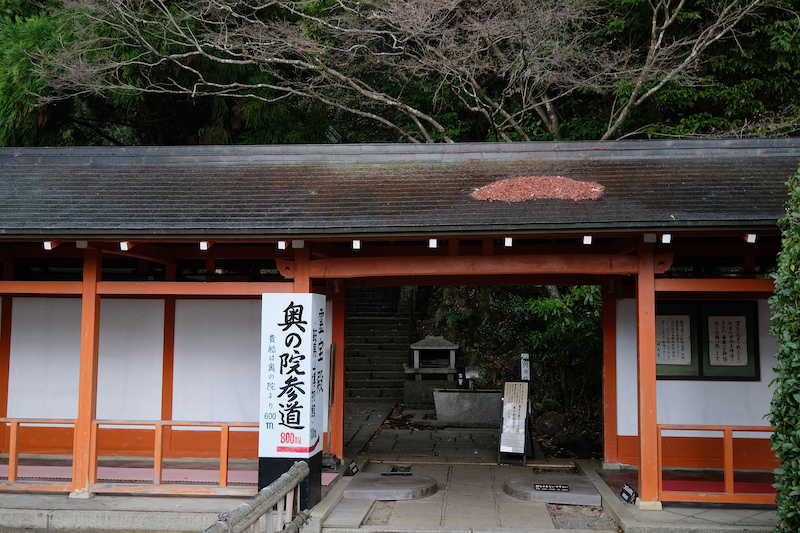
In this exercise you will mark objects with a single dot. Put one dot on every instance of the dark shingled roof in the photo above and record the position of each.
(387, 189)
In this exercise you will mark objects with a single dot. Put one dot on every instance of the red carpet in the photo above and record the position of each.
(739, 487)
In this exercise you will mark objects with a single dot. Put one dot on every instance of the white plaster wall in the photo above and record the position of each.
(130, 359)
(694, 402)
(45, 357)
(217, 360)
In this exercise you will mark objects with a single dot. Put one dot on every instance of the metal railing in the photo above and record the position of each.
(728, 494)
(273, 509)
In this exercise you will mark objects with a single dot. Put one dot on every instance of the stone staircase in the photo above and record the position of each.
(377, 339)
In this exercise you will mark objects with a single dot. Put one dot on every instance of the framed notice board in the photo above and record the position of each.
(707, 340)
(514, 424)
(677, 352)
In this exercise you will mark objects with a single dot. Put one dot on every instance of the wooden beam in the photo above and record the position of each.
(177, 288)
(41, 287)
(367, 267)
(498, 280)
(766, 286)
(712, 497)
(646, 348)
(87, 377)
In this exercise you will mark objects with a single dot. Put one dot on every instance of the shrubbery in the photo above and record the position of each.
(785, 409)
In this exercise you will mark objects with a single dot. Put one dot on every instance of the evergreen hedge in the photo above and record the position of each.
(785, 407)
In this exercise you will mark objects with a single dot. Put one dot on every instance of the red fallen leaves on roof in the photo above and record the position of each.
(536, 187)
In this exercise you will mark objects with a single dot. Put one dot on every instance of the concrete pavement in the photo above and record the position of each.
(471, 497)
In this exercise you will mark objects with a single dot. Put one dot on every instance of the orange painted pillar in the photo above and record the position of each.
(610, 450)
(168, 358)
(6, 302)
(337, 380)
(302, 270)
(5, 352)
(87, 380)
(164, 434)
(646, 344)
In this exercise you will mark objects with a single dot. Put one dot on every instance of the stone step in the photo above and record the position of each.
(377, 340)
(386, 363)
(357, 375)
(379, 355)
(371, 383)
(349, 513)
(399, 335)
(378, 327)
(377, 321)
(377, 300)
(375, 393)
(379, 344)
(367, 366)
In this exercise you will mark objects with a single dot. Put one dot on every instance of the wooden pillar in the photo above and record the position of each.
(168, 358)
(337, 380)
(302, 270)
(168, 353)
(6, 302)
(646, 348)
(87, 381)
(5, 351)
(610, 450)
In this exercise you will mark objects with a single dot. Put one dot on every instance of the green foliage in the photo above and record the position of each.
(489, 323)
(572, 327)
(785, 407)
(493, 325)
(22, 28)
(546, 404)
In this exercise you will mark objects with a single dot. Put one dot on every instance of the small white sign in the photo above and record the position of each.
(525, 370)
(293, 371)
(515, 417)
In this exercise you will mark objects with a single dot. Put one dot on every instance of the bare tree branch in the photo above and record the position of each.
(507, 61)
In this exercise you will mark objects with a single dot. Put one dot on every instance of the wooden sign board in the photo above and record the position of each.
(514, 425)
(525, 366)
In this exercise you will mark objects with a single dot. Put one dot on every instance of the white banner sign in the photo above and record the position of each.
(293, 362)
(727, 341)
(673, 340)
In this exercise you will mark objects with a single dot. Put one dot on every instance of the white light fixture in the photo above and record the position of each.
(750, 238)
(666, 238)
(281, 245)
(433, 243)
(587, 239)
(356, 244)
(509, 242)
(125, 246)
(49, 245)
(205, 245)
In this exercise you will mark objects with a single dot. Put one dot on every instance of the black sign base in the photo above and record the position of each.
(271, 468)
